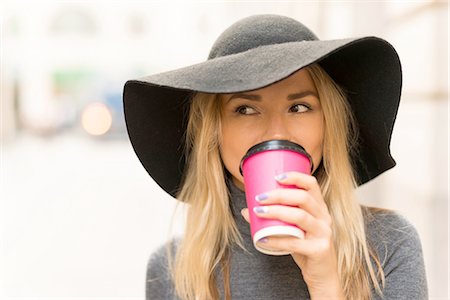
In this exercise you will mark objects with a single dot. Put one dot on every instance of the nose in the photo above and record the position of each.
(276, 128)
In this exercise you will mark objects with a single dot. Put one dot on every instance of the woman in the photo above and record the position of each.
(269, 77)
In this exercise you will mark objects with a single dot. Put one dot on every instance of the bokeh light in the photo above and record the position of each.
(96, 118)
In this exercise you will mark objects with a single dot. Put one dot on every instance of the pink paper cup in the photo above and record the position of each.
(259, 167)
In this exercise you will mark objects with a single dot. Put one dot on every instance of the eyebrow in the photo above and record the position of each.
(255, 97)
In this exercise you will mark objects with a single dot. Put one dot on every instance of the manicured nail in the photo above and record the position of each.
(261, 197)
(263, 240)
(261, 209)
(281, 176)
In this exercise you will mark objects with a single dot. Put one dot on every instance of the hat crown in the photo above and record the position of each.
(259, 30)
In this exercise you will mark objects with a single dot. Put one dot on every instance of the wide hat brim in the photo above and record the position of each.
(367, 68)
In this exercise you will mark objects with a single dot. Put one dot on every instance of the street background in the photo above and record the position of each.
(79, 216)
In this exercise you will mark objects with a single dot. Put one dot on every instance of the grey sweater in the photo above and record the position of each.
(258, 276)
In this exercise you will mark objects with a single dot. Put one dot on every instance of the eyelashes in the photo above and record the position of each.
(248, 110)
(300, 108)
(245, 110)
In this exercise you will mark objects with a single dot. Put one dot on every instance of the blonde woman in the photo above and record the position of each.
(269, 77)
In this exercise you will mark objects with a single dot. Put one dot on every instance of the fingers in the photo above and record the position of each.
(293, 215)
(292, 197)
(308, 196)
(303, 181)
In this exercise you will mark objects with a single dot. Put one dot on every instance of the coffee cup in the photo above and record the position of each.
(259, 167)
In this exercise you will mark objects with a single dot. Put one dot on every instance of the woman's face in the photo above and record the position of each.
(287, 110)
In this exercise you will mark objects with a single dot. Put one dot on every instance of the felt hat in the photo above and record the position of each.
(251, 54)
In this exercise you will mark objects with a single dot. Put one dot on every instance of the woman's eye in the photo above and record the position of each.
(245, 110)
(299, 108)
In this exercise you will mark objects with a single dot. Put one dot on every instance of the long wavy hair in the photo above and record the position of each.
(210, 229)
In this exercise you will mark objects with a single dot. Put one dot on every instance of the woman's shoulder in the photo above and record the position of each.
(159, 280)
(162, 252)
(391, 234)
(397, 245)
(385, 222)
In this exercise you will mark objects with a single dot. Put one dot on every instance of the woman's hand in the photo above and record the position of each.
(315, 254)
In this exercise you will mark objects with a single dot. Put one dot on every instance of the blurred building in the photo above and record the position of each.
(63, 69)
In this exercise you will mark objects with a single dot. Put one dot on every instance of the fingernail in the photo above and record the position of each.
(261, 197)
(263, 240)
(261, 209)
(281, 176)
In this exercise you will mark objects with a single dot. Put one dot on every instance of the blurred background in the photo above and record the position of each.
(79, 215)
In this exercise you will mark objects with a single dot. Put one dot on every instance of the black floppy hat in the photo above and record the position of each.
(253, 53)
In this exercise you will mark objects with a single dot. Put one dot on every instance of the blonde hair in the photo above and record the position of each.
(337, 182)
(210, 228)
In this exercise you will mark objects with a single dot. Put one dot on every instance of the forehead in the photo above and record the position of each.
(299, 81)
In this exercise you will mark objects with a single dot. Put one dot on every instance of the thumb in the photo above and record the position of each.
(245, 214)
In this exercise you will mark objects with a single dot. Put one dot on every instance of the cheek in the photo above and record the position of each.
(311, 137)
(317, 157)
(317, 145)
(231, 150)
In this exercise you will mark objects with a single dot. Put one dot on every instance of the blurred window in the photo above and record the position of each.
(73, 21)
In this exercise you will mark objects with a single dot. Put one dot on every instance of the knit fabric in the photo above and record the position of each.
(258, 276)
